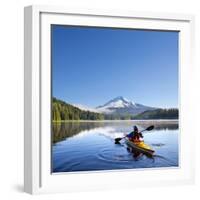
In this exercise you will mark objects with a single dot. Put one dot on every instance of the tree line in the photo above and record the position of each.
(159, 114)
(63, 111)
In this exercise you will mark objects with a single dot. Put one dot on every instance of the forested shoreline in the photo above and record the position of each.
(62, 111)
(171, 113)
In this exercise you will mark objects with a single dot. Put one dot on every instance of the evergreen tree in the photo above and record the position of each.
(63, 111)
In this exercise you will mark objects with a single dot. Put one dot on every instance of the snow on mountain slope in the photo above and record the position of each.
(118, 102)
(119, 106)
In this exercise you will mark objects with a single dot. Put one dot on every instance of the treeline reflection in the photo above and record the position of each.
(61, 131)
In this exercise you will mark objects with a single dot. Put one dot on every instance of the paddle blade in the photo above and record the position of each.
(117, 140)
(150, 128)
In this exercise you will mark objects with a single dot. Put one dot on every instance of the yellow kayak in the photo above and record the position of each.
(140, 146)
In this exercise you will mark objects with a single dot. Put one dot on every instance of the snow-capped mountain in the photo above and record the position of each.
(118, 106)
(118, 102)
(121, 105)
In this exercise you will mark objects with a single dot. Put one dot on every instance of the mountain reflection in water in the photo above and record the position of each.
(87, 146)
(62, 131)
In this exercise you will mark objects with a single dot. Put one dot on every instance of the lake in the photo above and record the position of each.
(90, 146)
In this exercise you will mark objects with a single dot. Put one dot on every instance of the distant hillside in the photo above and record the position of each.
(64, 111)
(158, 114)
(122, 107)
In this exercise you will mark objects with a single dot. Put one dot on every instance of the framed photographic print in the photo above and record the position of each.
(106, 99)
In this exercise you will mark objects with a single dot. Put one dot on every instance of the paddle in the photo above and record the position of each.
(147, 129)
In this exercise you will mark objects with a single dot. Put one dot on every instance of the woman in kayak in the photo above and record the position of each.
(135, 136)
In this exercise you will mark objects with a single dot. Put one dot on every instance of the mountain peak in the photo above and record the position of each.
(119, 98)
(117, 102)
(119, 106)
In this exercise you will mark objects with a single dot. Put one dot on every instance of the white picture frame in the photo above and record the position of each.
(37, 142)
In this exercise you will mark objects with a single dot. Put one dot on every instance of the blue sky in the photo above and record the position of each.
(93, 65)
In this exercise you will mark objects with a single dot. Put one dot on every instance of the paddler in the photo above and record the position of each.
(135, 136)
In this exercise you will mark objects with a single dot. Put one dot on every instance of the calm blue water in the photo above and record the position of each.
(86, 146)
